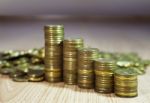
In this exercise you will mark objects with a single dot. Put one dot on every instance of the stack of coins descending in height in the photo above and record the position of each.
(86, 57)
(125, 83)
(104, 78)
(70, 47)
(54, 35)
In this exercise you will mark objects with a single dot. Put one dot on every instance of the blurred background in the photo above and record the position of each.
(110, 25)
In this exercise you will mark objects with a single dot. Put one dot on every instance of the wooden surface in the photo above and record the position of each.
(43, 92)
(123, 37)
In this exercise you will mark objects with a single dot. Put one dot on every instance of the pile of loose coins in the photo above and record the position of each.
(68, 60)
(23, 66)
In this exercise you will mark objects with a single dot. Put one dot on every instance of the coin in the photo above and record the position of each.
(36, 79)
(16, 73)
(35, 73)
(20, 79)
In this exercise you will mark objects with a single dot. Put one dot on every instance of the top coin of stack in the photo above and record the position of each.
(125, 83)
(54, 35)
(86, 67)
(104, 81)
(70, 47)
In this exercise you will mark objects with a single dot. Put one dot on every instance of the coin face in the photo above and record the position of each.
(53, 27)
(125, 63)
(125, 72)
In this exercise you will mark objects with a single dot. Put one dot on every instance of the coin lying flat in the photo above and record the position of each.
(20, 79)
(16, 73)
(36, 79)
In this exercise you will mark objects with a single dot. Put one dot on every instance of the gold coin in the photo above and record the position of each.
(37, 79)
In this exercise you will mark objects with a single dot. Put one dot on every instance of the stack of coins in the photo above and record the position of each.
(104, 78)
(86, 58)
(70, 47)
(125, 83)
(35, 75)
(54, 35)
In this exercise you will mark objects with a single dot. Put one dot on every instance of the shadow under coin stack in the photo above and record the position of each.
(86, 58)
(54, 35)
(70, 47)
(125, 83)
(104, 81)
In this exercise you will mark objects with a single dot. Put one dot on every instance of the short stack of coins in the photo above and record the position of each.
(54, 35)
(35, 75)
(104, 78)
(125, 83)
(70, 47)
(86, 58)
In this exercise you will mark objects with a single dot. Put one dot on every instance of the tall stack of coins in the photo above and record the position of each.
(54, 35)
(125, 83)
(70, 47)
(86, 58)
(104, 79)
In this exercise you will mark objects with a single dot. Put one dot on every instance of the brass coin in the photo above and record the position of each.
(122, 94)
(86, 86)
(53, 74)
(16, 73)
(37, 79)
(35, 73)
(104, 90)
(20, 79)
(53, 79)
